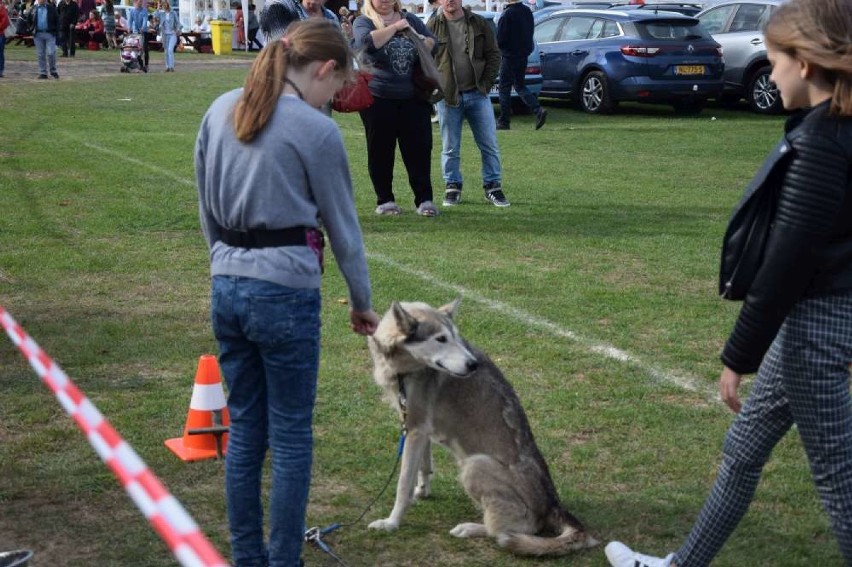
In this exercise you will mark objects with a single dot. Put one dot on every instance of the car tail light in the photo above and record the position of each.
(640, 51)
(532, 71)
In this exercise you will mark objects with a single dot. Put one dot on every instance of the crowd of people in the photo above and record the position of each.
(72, 24)
(385, 36)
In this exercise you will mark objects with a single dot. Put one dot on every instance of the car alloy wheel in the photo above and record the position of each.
(595, 97)
(763, 95)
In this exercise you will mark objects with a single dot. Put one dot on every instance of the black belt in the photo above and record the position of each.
(261, 238)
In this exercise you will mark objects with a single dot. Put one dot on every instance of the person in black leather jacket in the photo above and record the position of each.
(795, 326)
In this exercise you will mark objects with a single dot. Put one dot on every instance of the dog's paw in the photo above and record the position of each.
(469, 529)
(421, 492)
(387, 525)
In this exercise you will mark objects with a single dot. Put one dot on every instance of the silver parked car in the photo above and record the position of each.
(737, 26)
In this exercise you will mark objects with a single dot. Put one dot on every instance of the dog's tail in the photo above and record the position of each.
(571, 539)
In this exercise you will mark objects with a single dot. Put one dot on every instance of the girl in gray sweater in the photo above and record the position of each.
(269, 167)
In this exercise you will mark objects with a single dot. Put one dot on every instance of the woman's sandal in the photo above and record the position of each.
(389, 208)
(427, 209)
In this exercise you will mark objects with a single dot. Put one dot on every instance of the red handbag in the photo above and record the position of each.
(355, 96)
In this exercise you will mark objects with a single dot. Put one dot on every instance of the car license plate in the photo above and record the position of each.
(689, 69)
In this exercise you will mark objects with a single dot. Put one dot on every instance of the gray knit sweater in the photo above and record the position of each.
(294, 173)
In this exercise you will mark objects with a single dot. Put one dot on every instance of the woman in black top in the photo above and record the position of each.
(795, 326)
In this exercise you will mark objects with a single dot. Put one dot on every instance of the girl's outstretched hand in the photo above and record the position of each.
(363, 322)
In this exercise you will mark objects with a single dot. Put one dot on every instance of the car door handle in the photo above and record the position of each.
(756, 41)
(578, 52)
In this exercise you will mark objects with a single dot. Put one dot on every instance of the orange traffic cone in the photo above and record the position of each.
(206, 433)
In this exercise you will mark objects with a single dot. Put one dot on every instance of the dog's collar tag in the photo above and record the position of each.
(401, 396)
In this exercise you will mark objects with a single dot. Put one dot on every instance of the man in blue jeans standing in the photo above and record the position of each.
(515, 38)
(468, 59)
(44, 21)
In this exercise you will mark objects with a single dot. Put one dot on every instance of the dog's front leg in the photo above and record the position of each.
(424, 475)
(416, 444)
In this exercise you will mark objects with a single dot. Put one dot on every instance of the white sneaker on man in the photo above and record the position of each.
(619, 555)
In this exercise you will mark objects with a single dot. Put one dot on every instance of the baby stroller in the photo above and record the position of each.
(131, 53)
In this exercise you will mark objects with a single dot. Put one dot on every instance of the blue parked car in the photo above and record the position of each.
(599, 58)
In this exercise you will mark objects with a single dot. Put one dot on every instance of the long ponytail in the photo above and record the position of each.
(305, 42)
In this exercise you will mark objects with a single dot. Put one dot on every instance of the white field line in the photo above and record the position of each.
(607, 351)
(140, 163)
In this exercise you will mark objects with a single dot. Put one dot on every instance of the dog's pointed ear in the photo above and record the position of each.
(450, 309)
(406, 323)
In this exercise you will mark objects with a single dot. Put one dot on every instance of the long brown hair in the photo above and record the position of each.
(819, 32)
(305, 42)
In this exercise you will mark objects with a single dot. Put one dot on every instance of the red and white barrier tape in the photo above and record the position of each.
(166, 515)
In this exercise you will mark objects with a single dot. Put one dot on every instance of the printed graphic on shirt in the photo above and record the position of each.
(402, 54)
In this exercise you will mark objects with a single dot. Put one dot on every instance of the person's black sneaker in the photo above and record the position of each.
(55, 75)
(494, 193)
(452, 196)
(42, 76)
(540, 118)
(502, 126)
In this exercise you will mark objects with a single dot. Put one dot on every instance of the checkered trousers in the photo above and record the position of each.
(803, 379)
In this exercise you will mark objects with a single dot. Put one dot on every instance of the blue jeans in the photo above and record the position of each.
(2, 53)
(45, 44)
(169, 44)
(269, 342)
(476, 108)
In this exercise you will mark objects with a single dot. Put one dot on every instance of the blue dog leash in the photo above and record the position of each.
(314, 535)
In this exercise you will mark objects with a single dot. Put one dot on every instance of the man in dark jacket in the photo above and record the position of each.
(515, 39)
(44, 21)
(68, 15)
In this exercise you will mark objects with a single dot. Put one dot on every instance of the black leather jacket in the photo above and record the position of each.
(809, 250)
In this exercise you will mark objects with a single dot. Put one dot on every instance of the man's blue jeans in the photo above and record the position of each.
(45, 44)
(269, 342)
(476, 108)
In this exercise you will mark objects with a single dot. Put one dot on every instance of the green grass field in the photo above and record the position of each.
(595, 292)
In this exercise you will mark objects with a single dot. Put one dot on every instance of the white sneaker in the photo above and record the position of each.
(619, 555)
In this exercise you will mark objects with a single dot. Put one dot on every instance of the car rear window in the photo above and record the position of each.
(671, 29)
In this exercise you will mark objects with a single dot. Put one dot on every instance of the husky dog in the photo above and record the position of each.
(449, 392)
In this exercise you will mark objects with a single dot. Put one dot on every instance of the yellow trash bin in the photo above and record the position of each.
(220, 33)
